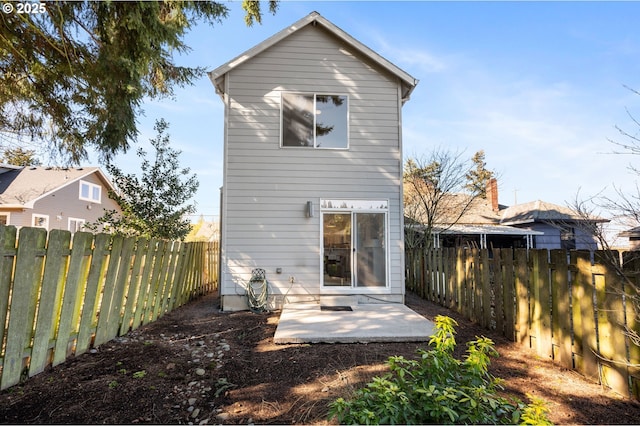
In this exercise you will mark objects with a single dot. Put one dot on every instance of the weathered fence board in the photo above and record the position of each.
(7, 258)
(24, 299)
(94, 285)
(573, 308)
(50, 300)
(60, 296)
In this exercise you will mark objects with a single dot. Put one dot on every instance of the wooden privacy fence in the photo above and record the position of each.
(60, 296)
(572, 308)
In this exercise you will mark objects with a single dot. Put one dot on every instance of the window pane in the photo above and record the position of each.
(84, 190)
(371, 250)
(40, 221)
(331, 121)
(96, 193)
(297, 120)
(4, 219)
(337, 249)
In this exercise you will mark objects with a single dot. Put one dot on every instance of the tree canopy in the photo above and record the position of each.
(20, 157)
(155, 204)
(479, 175)
(76, 75)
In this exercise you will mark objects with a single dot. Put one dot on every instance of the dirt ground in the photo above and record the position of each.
(197, 365)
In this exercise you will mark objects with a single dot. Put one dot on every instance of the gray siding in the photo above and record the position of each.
(66, 203)
(266, 187)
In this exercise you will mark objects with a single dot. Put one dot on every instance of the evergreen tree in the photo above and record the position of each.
(75, 74)
(478, 176)
(154, 205)
(20, 157)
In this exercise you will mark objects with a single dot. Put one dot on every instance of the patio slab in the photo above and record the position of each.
(363, 323)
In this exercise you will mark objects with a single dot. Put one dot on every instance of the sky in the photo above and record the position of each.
(539, 86)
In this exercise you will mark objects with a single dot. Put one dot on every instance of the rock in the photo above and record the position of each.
(204, 422)
(200, 371)
(195, 413)
(325, 389)
(222, 416)
(192, 401)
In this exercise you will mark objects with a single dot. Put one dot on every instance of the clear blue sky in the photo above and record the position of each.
(538, 86)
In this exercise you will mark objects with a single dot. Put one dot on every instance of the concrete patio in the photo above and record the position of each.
(359, 323)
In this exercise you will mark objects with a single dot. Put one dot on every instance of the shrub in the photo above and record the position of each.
(438, 388)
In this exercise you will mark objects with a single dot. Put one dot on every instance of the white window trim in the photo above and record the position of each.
(91, 188)
(314, 121)
(78, 220)
(43, 216)
(8, 215)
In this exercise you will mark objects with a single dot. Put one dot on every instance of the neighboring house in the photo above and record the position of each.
(634, 237)
(562, 228)
(471, 222)
(312, 189)
(53, 198)
(486, 224)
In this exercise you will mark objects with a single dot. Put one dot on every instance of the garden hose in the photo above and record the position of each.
(258, 291)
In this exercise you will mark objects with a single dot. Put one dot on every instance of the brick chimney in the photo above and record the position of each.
(492, 194)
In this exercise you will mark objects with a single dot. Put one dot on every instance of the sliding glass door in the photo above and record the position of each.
(370, 250)
(354, 246)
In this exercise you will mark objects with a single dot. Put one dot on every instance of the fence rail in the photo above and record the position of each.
(572, 308)
(60, 294)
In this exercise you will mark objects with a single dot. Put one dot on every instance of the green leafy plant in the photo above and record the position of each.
(438, 388)
(113, 384)
(222, 385)
(139, 374)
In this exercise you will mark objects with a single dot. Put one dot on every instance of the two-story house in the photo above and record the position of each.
(53, 198)
(312, 186)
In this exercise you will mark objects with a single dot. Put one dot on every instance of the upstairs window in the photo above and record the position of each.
(90, 192)
(315, 120)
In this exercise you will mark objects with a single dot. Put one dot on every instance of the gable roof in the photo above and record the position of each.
(21, 187)
(541, 211)
(314, 18)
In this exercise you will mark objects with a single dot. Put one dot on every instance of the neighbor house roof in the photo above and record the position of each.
(484, 229)
(217, 76)
(541, 211)
(633, 232)
(21, 187)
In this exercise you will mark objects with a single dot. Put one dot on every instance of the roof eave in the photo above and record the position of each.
(217, 75)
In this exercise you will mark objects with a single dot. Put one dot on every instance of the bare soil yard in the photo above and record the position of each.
(198, 365)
